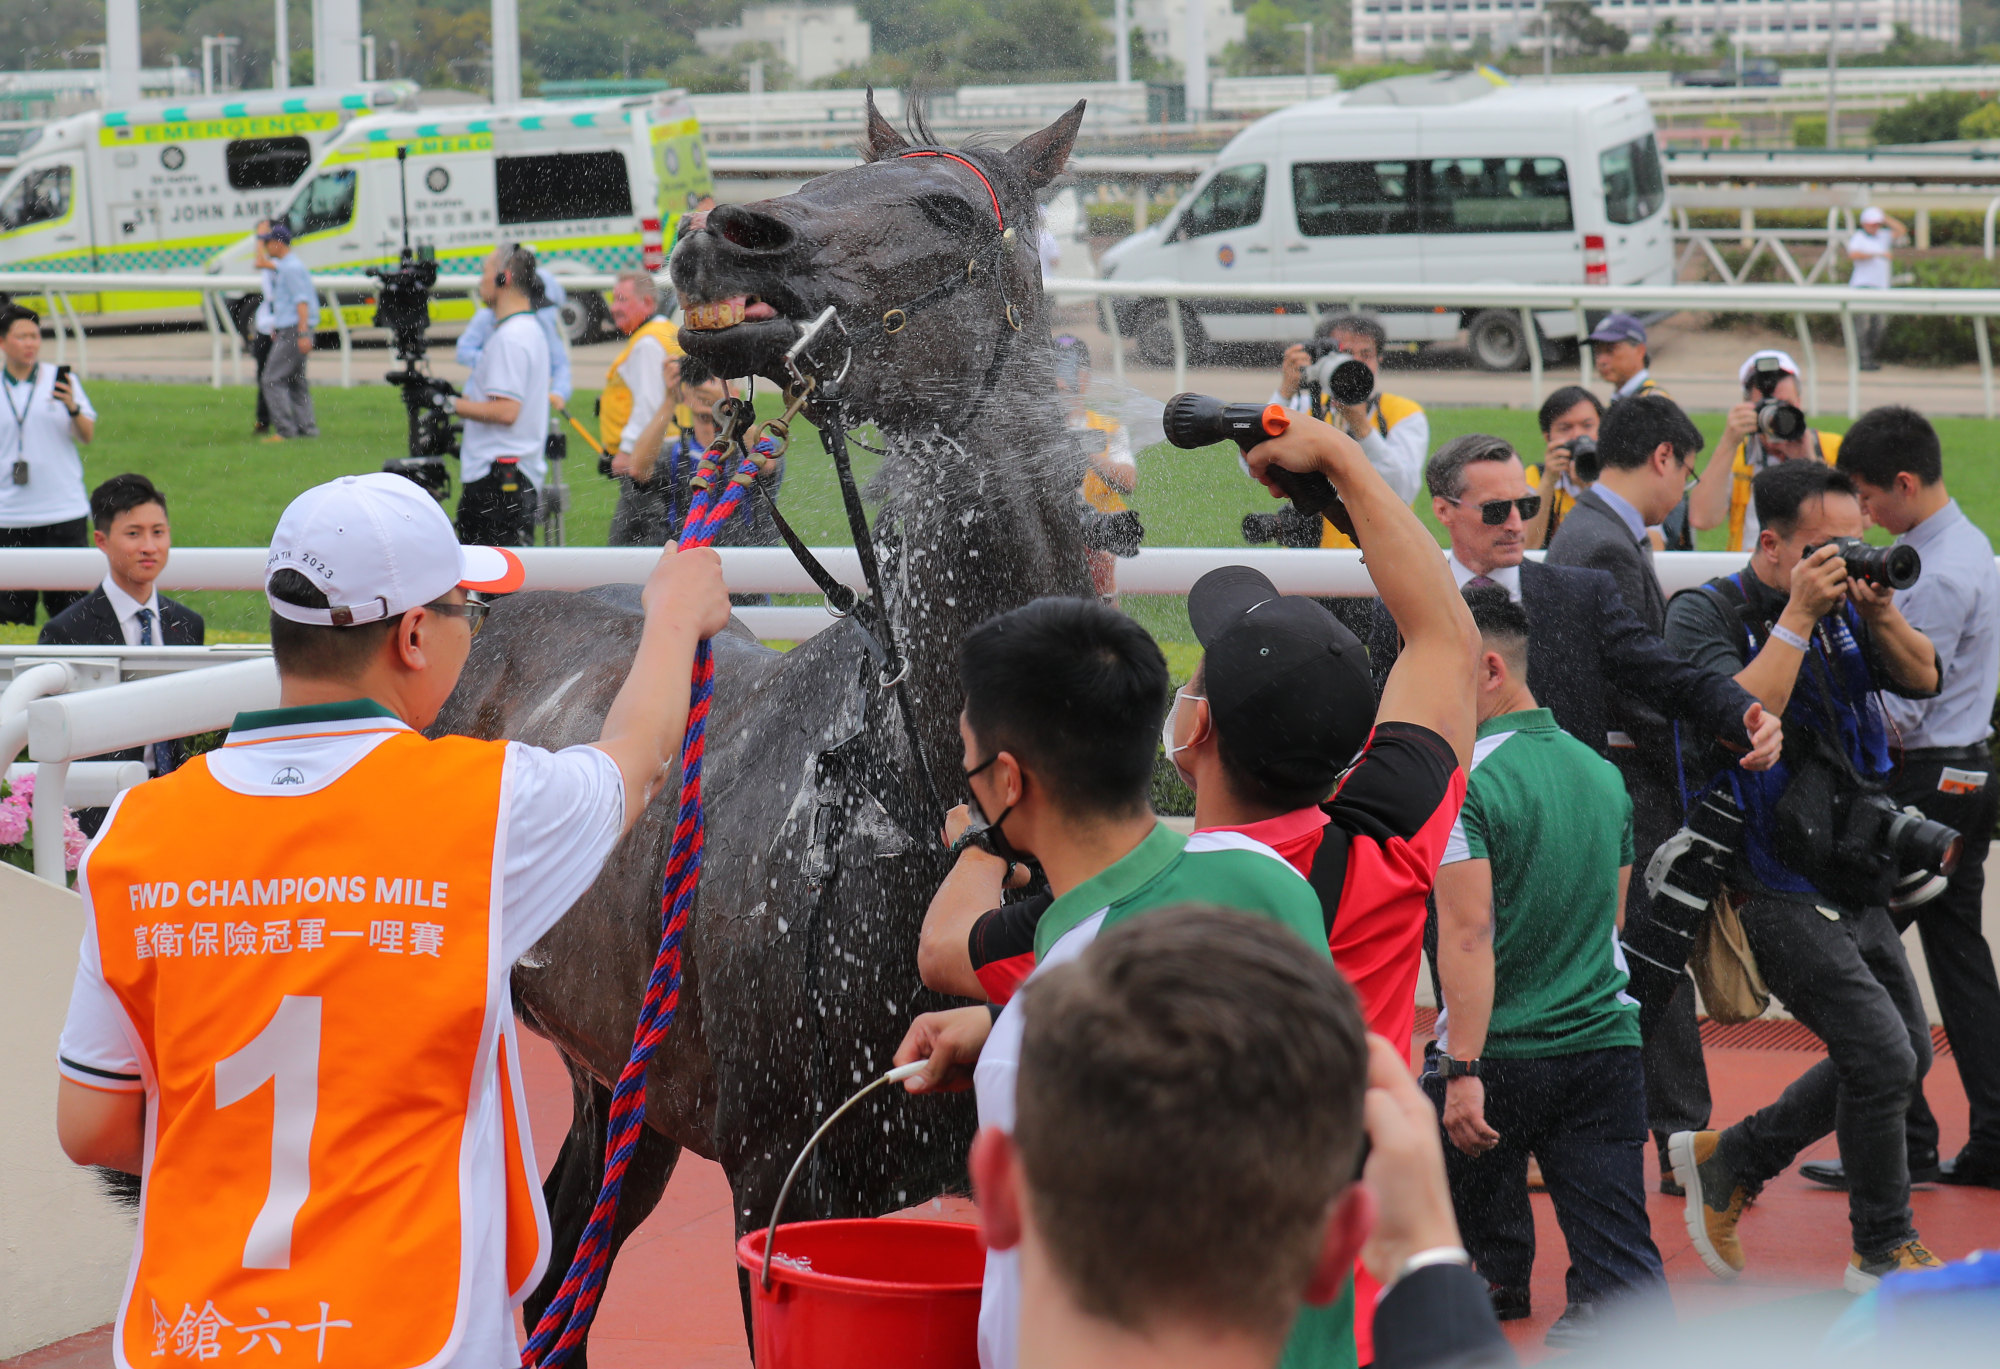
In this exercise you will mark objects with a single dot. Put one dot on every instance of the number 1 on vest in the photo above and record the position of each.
(286, 1053)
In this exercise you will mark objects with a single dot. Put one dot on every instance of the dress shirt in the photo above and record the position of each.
(292, 285)
(1631, 387)
(1623, 508)
(645, 375)
(1507, 577)
(1955, 603)
(126, 609)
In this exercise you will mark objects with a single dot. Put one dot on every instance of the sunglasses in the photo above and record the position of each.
(474, 612)
(1493, 512)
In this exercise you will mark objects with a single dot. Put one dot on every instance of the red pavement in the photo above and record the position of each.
(672, 1300)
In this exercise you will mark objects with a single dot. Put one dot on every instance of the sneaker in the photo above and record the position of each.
(1715, 1200)
(1669, 1185)
(1968, 1176)
(1578, 1326)
(1862, 1276)
(273, 437)
(1509, 1304)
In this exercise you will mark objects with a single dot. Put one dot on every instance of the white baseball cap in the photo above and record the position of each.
(1872, 215)
(1783, 358)
(378, 545)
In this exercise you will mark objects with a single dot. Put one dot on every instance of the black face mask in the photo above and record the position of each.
(989, 834)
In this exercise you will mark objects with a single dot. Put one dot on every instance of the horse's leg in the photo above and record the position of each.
(571, 1191)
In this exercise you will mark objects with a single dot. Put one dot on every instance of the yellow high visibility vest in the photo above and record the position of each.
(614, 406)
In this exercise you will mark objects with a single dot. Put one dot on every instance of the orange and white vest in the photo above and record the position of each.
(614, 405)
(318, 999)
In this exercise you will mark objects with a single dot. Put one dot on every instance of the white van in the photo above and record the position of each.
(159, 186)
(1417, 180)
(588, 185)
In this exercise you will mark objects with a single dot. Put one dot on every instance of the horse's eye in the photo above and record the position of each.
(949, 212)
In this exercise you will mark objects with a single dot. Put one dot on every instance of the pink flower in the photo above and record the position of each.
(23, 788)
(73, 841)
(13, 819)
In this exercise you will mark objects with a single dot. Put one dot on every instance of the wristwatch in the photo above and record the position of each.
(1449, 1068)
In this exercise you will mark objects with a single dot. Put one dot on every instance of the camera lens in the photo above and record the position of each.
(1351, 382)
(1893, 567)
(1914, 842)
(1778, 421)
(1584, 462)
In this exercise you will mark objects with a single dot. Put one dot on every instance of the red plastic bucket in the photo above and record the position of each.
(868, 1293)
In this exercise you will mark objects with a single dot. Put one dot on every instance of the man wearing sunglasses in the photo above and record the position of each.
(332, 903)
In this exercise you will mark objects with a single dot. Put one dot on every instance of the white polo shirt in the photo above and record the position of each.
(514, 364)
(565, 810)
(34, 427)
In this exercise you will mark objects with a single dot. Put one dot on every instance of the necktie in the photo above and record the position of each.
(145, 627)
(1481, 582)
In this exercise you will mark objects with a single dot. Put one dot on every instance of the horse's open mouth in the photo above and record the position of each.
(710, 318)
(740, 335)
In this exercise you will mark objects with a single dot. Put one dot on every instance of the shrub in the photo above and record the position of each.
(1932, 118)
(1983, 122)
(1809, 130)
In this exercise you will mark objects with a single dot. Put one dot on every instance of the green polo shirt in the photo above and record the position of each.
(1225, 870)
(1552, 818)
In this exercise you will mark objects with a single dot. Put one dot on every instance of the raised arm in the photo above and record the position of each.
(1431, 682)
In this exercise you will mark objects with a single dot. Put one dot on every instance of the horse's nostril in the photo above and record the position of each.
(749, 229)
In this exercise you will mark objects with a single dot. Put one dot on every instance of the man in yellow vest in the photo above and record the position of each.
(330, 904)
(636, 387)
(1394, 432)
(1751, 443)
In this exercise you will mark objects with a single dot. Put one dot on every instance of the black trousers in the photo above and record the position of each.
(492, 516)
(18, 605)
(260, 352)
(1846, 978)
(1583, 1118)
(1955, 949)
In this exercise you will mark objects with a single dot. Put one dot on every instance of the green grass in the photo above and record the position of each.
(227, 488)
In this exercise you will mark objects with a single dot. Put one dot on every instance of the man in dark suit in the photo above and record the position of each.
(1588, 649)
(129, 519)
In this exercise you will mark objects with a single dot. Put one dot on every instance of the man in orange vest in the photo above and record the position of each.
(291, 1013)
(639, 383)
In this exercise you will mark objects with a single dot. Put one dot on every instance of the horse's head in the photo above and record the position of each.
(927, 253)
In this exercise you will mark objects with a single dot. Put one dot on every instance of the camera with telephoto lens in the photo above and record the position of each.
(403, 306)
(1778, 420)
(1923, 852)
(1337, 376)
(1193, 420)
(1883, 567)
(1585, 465)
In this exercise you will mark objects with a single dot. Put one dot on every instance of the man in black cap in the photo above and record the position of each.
(1618, 350)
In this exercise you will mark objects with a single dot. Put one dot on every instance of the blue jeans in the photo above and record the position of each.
(1583, 1118)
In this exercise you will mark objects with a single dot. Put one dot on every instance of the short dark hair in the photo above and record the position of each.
(1190, 1041)
(1562, 401)
(1076, 691)
(1248, 786)
(1502, 623)
(122, 494)
(1634, 429)
(1444, 473)
(13, 313)
(1780, 491)
(518, 263)
(1887, 441)
(694, 371)
(1365, 324)
(315, 652)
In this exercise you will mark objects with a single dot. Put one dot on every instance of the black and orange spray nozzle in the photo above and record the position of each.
(1202, 421)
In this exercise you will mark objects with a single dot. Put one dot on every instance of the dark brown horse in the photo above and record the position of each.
(822, 850)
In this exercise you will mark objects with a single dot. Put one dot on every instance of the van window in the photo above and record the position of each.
(1345, 198)
(327, 202)
(1234, 199)
(1497, 195)
(266, 163)
(1634, 189)
(562, 185)
(39, 196)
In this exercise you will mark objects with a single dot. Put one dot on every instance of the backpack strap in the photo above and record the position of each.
(1328, 874)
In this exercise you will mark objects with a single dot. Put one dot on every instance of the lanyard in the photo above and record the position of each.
(8, 384)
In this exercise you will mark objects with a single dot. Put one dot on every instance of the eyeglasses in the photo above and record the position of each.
(474, 612)
(1493, 512)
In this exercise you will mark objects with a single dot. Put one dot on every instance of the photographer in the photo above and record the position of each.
(1393, 432)
(1944, 767)
(1569, 420)
(506, 409)
(1817, 644)
(1765, 428)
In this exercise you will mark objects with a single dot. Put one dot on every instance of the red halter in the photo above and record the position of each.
(998, 217)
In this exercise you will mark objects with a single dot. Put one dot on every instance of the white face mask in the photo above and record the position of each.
(1167, 735)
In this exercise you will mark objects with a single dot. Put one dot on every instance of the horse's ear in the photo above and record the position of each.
(882, 139)
(1041, 156)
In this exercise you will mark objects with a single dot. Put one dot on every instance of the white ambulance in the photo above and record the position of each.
(159, 186)
(596, 185)
(1417, 180)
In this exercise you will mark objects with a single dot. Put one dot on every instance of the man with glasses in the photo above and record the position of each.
(331, 901)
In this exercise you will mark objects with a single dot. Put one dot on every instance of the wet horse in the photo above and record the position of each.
(822, 851)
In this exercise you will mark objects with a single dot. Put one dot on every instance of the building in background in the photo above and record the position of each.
(814, 40)
(1388, 29)
(1164, 22)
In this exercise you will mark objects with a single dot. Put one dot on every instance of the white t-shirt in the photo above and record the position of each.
(1871, 273)
(565, 811)
(513, 365)
(34, 426)
(263, 320)
(645, 375)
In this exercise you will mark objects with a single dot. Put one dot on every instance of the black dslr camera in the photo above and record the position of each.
(1777, 420)
(1585, 465)
(1335, 377)
(1882, 567)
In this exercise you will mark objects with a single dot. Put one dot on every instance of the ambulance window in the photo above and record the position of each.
(1234, 199)
(562, 185)
(266, 163)
(39, 196)
(1350, 199)
(327, 202)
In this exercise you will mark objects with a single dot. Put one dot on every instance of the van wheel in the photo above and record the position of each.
(1497, 341)
(1155, 342)
(583, 316)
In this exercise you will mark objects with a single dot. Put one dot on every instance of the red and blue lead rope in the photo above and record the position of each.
(567, 1319)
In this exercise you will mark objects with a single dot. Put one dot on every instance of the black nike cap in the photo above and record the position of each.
(1288, 685)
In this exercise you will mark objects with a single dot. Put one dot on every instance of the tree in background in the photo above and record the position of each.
(1932, 118)
(1270, 48)
(1579, 32)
